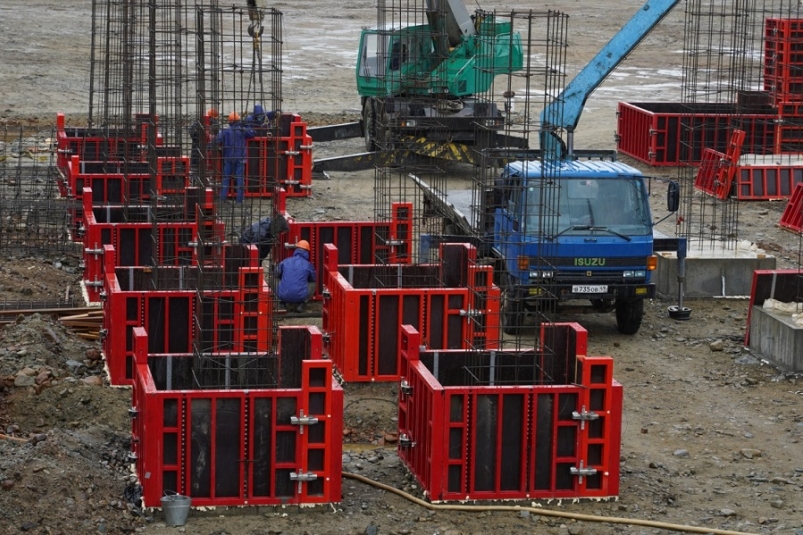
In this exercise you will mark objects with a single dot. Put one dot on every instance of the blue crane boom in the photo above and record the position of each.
(565, 110)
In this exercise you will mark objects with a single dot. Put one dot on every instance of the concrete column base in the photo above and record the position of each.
(777, 338)
(710, 273)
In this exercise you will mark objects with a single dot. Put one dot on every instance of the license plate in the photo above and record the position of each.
(590, 289)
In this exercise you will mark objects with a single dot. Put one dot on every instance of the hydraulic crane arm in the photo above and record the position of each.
(564, 111)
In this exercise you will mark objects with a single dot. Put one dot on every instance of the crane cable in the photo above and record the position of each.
(540, 511)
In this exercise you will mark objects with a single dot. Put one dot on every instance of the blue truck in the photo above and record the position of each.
(597, 247)
(565, 229)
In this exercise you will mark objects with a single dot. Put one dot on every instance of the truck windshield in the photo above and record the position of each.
(586, 206)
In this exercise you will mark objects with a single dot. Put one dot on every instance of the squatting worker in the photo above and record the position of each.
(296, 278)
(232, 143)
(264, 234)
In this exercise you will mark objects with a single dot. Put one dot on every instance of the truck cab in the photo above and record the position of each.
(571, 231)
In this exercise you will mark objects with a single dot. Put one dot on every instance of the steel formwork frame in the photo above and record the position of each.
(140, 243)
(655, 132)
(357, 242)
(454, 303)
(181, 318)
(792, 217)
(193, 441)
(500, 425)
(114, 182)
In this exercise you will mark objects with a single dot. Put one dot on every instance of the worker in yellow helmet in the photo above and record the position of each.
(296, 278)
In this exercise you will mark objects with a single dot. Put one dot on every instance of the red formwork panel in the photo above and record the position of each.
(455, 307)
(659, 133)
(357, 242)
(767, 182)
(790, 110)
(792, 217)
(788, 137)
(498, 425)
(271, 161)
(751, 182)
(295, 156)
(783, 58)
(180, 315)
(717, 171)
(279, 445)
(101, 144)
(780, 284)
(117, 183)
(126, 182)
(142, 243)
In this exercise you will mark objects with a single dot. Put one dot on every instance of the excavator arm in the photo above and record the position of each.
(564, 111)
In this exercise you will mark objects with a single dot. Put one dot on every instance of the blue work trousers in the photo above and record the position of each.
(233, 168)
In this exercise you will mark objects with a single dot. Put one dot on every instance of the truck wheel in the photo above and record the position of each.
(629, 315)
(369, 125)
(512, 313)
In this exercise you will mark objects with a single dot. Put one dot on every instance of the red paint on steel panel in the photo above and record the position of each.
(499, 433)
(195, 442)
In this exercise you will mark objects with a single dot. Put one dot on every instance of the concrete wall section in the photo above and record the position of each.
(716, 276)
(777, 338)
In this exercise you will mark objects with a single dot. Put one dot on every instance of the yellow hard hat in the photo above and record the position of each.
(234, 117)
(303, 244)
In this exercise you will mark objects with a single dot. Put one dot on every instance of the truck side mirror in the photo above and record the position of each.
(673, 196)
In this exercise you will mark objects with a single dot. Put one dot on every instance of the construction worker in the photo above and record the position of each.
(232, 142)
(259, 120)
(198, 130)
(264, 234)
(296, 278)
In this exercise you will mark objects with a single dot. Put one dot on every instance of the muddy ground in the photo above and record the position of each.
(711, 433)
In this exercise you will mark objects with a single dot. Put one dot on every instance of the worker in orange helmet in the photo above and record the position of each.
(232, 141)
(296, 278)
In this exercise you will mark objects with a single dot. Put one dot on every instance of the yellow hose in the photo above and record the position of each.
(539, 511)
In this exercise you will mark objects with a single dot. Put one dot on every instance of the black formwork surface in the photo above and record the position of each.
(238, 370)
(455, 262)
(395, 276)
(188, 372)
(140, 213)
(495, 368)
(713, 123)
(146, 278)
(499, 368)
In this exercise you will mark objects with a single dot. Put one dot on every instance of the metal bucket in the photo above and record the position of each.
(176, 508)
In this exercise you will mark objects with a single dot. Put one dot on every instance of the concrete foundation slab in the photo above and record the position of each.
(777, 338)
(711, 273)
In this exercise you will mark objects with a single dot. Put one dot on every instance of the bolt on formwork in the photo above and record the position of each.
(168, 79)
(449, 135)
(741, 61)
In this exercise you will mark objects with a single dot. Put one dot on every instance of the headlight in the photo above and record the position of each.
(638, 274)
(541, 274)
(408, 123)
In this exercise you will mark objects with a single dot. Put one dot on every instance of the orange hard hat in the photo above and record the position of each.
(303, 244)
(212, 113)
(234, 116)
